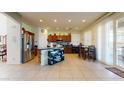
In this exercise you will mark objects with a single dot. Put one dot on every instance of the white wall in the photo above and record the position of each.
(2, 27)
(42, 38)
(88, 38)
(13, 42)
(75, 39)
(2, 24)
(93, 38)
(11, 28)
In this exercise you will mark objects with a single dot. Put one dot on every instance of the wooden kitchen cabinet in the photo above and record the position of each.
(50, 38)
(69, 37)
(64, 38)
(54, 38)
(67, 50)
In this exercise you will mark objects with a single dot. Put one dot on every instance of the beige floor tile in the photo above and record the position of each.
(65, 79)
(72, 68)
(65, 74)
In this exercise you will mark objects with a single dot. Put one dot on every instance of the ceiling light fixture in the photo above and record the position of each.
(69, 20)
(55, 20)
(83, 20)
(41, 20)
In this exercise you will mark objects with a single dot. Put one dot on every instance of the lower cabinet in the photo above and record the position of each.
(67, 50)
(55, 56)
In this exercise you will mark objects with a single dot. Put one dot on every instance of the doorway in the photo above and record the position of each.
(3, 38)
(10, 39)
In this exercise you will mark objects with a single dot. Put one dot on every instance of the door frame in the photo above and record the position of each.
(19, 24)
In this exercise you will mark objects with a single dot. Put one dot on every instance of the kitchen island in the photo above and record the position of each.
(50, 56)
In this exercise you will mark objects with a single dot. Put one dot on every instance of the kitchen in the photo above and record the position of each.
(58, 42)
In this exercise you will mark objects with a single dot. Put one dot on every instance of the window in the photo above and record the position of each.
(88, 38)
(109, 42)
(120, 42)
(105, 42)
(75, 39)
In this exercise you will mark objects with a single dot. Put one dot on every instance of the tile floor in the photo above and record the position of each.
(71, 69)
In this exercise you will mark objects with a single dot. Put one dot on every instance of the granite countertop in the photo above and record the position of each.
(51, 48)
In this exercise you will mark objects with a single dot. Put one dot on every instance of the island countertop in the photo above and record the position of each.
(51, 48)
(51, 55)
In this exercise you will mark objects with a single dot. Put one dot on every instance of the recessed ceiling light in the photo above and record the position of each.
(55, 20)
(41, 20)
(83, 20)
(69, 20)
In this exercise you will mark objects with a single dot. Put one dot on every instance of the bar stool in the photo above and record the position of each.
(79, 50)
(86, 50)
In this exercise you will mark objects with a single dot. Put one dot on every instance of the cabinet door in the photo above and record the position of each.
(60, 37)
(66, 38)
(49, 38)
(63, 38)
(69, 37)
(54, 38)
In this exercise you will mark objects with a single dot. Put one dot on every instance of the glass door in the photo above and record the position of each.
(109, 43)
(120, 42)
(105, 42)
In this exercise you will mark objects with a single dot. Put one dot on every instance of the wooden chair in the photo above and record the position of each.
(86, 49)
(92, 53)
(83, 52)
(80, 51)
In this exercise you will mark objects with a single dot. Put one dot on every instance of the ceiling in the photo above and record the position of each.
(62, 19)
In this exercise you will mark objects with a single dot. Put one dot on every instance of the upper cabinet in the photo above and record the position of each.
(64, 38)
